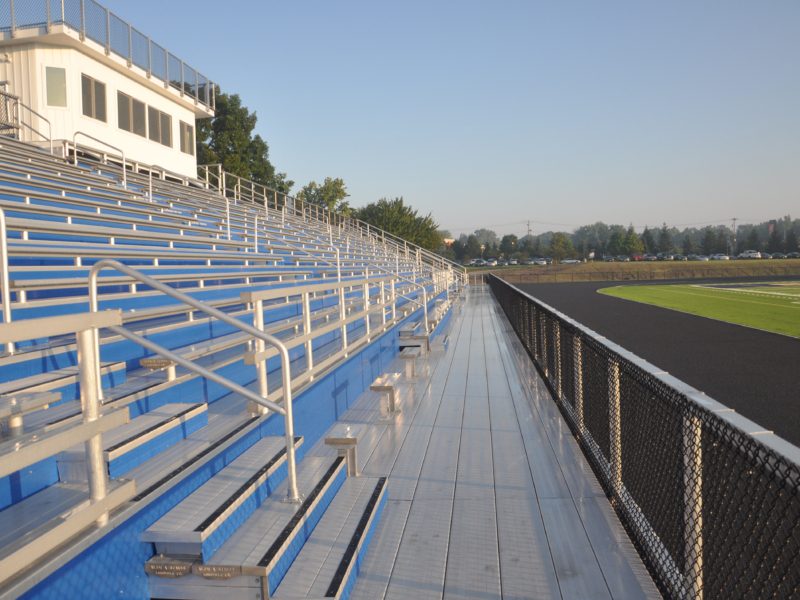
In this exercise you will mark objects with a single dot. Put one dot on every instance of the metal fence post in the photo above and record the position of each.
(614, 427)
(693, 505)
(108, 32)
(394, 300)
(89, 377)
(577, 350)
(557, 358)
(83, 21)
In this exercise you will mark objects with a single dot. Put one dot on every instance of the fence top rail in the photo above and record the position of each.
(28, 329)
(703, 402)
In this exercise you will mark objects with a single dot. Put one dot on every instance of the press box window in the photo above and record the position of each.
(56, 84)
(131, 114)
(94, 98)
(160, 125)
(187, 138)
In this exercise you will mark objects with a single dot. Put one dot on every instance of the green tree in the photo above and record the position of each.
(774, 243)
(330, 194)
(561, 246)
(228, 139)
(508, 245)
(403, 221)
(709, 242)
(648, 241)
(664, 239)
(616, 243)
(791, 241)
(633, 244)
(753, 241)
(472, 248)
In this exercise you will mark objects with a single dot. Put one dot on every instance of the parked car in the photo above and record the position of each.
(609, 259)
(766, 255)
(680, 257)
(720, 257)
(570, 261)
(623, 258)
(750, 254)
(793, 255)
(540, 262)
(650, 257)
(502, 263)
(778, 255)
(491, 262)
(702, 258)
(513, 261)
(530, 261)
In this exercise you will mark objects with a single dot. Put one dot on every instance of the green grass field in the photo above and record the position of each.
(773, 306)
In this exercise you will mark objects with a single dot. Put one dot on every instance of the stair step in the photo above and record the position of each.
(260, 552)
(328, 564)
(65, 380)
(142, 438)
(202, 522)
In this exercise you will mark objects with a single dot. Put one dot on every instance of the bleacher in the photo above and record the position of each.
(156, 334)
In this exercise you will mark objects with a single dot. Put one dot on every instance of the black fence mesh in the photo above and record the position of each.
(713, 511)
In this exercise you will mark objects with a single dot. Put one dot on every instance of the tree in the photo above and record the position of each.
(616, 243)
(753, 241)
(403, 221)
(330, 194)
(688, 246)
(709, 242)
(632, 245)
(791, 241)
(774, 243)
(487, 237)
(473, 247)
(664, 239)
(508, 245)
(228, 139)
(648, 241)
(561, 246)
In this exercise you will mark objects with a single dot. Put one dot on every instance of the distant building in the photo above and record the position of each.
(75, 71)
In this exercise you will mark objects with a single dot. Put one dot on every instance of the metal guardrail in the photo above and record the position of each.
(92, 20)
(293, 494)
(104, 143)
(240, 189)
(710, 500)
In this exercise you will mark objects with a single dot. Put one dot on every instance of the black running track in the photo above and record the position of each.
(754, 372)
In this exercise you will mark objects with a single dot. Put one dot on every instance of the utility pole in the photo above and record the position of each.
(529, 228)
(733, 250)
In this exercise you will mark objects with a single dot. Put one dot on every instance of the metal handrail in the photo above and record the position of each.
(20, 123)
(99, 141)
(293, 494)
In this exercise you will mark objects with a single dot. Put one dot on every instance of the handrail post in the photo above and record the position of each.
(89, 376)
(260, 346)
(6, 298)
(366, 308)
(342, 317)
(306, 304)
(292, 493)
(394, 301)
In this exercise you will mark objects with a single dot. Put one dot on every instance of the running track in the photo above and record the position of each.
(754, 372)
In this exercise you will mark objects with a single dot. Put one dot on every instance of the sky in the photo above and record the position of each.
(493, 114)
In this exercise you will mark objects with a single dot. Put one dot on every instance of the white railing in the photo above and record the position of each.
(105, 159)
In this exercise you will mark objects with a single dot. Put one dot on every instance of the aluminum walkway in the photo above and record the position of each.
(489, 495)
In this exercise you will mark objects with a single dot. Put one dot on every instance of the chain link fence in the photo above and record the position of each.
(711, 502)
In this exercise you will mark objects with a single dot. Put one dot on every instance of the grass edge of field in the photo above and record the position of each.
(606, 292)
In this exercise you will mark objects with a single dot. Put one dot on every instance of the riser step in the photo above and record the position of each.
(252, 562)
(132, 444)
(201, 523)
(63, 381)
(329, 564)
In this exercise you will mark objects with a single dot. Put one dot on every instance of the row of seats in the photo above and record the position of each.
(325, 291)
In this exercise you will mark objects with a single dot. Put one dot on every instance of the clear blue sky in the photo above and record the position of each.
(492, 113)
